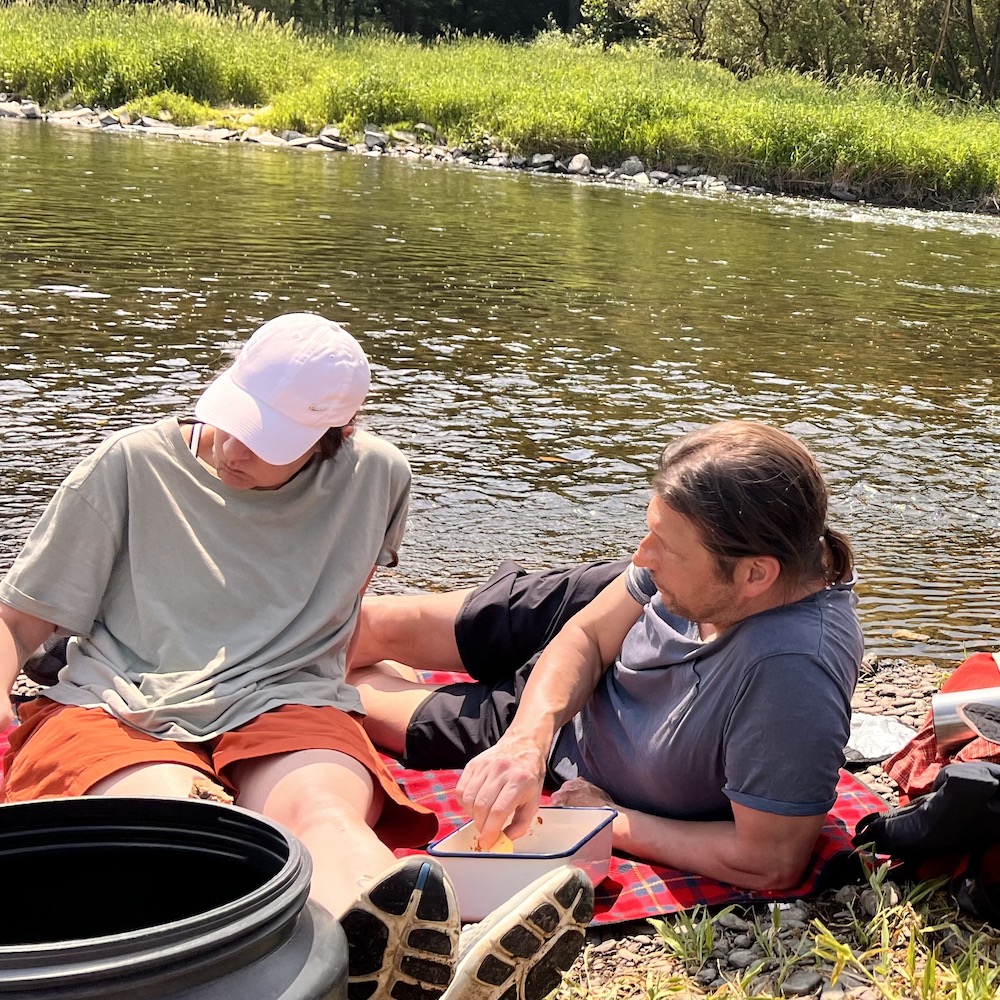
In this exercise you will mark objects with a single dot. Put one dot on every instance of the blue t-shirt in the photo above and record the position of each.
(759, 715)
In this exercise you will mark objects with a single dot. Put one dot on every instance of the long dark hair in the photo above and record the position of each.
(754, 490)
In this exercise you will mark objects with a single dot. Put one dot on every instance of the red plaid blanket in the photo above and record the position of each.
(635, 890)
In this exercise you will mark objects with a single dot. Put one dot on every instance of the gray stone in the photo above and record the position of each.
(801, 982)
(843, 193)
(375, 139)
(263, 138)
(732, 922)
(740, 958)
(579, 164)
(11, 109)
(632, 167)
(543, 161)
(334, 142)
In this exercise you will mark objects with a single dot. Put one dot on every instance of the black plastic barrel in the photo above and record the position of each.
(160, 899)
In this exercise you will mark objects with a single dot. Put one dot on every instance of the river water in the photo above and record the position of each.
(535, 342)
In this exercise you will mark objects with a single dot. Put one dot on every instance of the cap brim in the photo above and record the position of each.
(269, 435)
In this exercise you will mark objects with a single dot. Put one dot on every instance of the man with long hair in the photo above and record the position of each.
(702, 688)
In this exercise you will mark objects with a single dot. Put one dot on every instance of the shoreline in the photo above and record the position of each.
(426, 144)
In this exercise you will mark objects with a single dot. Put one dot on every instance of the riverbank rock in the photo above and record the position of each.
(424, 142)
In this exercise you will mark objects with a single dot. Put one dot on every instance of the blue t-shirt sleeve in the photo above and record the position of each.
(785, 738)
(640, 583)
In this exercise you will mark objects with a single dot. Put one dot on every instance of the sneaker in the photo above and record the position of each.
(402, 934)
(520, 951)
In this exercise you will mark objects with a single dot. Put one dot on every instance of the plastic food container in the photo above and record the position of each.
(561, 835)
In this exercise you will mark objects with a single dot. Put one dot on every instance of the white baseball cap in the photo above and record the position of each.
(295, 378)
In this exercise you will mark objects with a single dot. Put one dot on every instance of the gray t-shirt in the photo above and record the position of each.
(759, 715)
(197, 606)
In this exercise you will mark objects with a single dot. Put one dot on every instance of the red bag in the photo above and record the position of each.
(915, 767)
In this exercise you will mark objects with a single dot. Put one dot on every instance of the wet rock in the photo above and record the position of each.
(331, 141)
(579, 164)
(375, 139)
(843, 193)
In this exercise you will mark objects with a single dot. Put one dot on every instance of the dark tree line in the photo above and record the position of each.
(511, 19)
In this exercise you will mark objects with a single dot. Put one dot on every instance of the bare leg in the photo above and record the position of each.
(416, 629)
(390, 698)
(170, 781)
(329, 801)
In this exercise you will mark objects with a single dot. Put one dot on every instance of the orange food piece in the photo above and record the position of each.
(502, 845)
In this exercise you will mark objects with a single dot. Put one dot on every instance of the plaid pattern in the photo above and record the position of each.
(635, 890)
(915, 767)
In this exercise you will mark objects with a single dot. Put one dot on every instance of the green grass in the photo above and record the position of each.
(907, 944)
(551, 95)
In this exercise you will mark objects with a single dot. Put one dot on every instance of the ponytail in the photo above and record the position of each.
(839, 562)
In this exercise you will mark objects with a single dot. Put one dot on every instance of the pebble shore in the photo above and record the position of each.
(423, 143)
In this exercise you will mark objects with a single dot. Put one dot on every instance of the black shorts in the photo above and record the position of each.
(501, 629)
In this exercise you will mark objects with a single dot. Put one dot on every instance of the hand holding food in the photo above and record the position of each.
(502, 845)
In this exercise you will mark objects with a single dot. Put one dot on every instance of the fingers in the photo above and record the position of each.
(497, 789)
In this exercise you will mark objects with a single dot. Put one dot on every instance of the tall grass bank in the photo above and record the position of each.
(781, 131)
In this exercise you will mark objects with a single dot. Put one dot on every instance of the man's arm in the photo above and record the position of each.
(507, 779)
(754, 850)
(20, 635)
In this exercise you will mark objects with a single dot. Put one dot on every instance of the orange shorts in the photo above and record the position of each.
(61, 750)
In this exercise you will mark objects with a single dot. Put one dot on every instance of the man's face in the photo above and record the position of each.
(240, 468)
(685, 572)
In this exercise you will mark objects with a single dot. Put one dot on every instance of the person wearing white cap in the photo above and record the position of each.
(215, 574)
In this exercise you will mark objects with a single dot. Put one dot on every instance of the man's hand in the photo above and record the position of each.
(580, 792)
(504, 781)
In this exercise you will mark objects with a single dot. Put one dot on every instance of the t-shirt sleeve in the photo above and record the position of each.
(389, 554)
(63, 570)
(640, 583)
(784, 742)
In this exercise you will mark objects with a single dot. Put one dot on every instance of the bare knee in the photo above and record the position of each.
(310, 789)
